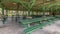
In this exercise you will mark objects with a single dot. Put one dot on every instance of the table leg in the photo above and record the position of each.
(40, 22)
(28, 25)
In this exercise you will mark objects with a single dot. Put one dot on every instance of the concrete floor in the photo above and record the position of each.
(11, 27)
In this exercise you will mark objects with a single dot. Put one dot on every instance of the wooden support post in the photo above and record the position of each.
(43, 8)
(6, 12)
(3, 14)
(29, 9)
(51, 11)
(37, 12)
(28, 12)
(32, 13)
(17, 12)
(23, 13)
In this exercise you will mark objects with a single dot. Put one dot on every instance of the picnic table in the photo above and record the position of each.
(27, 22)
(29, 30)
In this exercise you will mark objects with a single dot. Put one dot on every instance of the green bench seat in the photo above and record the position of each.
(34, 28)
(27, 22)
(57, 17)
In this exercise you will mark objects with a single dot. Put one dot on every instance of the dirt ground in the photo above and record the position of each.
(11, 27)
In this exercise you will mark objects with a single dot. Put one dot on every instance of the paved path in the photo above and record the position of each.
(14, 28)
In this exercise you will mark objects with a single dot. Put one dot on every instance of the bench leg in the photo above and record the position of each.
(28, 25)
(40, 22)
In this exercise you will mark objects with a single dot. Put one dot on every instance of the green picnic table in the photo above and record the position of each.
(31, 29)
(27, 22)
